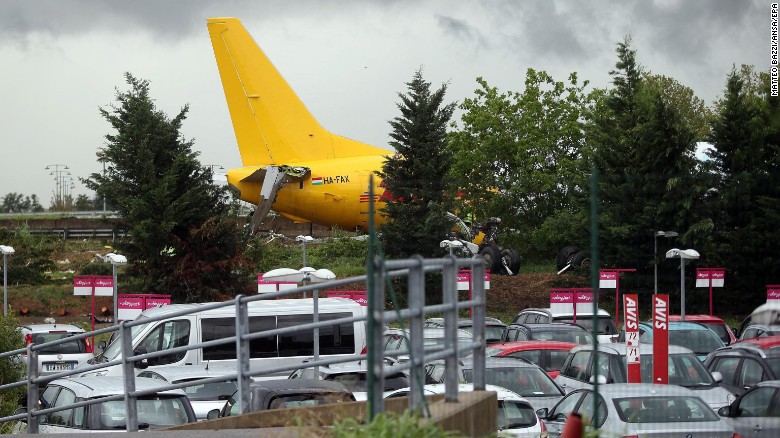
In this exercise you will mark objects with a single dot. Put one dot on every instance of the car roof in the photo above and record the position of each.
(176, 373)
(679, 325)
(272, 306)
(429, 332)
(498, 362)
(502, 393)
(615, 390)
(467, 322)
(286, 386)
(533, 345)
(38, 328)
(765, 342)
(548, 310)
(550, 326)
(620, 348)
(101, 386)
(770, 383)
(708, 319)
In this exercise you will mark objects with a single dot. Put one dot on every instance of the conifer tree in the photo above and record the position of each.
(415, 178)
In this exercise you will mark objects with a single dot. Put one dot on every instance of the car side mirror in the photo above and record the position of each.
(102, 345)
(725, 411)
(143, 363)
(542, 413)
(212, 414)
(20, 411)
(717, 376)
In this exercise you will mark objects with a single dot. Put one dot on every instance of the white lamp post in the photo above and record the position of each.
(6, 250)
(304, 239)
(683, 254)
(655, 255)
(115, 260)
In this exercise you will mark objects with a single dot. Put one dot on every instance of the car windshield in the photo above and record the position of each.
(526, 381)
(721, 331)
(685, 369)
(492, 332)
(112, 351)
(606, 324)
(774, 364)
(701, 342)
(153, 411)
(663, 410)
(74, 346)
(513, 414)
(574, 335)
(210, 391)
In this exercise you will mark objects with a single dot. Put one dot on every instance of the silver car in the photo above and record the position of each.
(204, 397)
(53, 359)
(158, 409)
(638, 409)
(684, 367)
(756, 412)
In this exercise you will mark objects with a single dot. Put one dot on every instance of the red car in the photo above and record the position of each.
(549, 355)
(714, 323)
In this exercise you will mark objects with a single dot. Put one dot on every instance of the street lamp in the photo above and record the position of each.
(6, 250)
(304, 239)
(683, 254)
(115, 260)
(655, 255)
(58, 177)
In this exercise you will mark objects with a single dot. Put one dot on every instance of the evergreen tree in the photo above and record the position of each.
(415, 178)
(155, 182)
(746, 140)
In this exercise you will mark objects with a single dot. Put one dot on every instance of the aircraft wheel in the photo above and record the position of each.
(511, 259)
(581, 260)
(492, 257)
(565, 256)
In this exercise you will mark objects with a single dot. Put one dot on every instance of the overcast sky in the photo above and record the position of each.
(347, 60)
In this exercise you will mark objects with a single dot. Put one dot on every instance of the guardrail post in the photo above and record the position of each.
(242, 354)
(375, 335)
(417, 348)
(450, 292)
(316, 318)
(478, 322)
(128, 373)
(32, 389)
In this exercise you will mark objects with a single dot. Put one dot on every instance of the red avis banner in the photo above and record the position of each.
(631, 309)
(661, 339)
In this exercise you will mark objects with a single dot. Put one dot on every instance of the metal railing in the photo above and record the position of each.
(414, 269)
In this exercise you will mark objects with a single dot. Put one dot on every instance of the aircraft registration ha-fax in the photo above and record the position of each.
(338, 179)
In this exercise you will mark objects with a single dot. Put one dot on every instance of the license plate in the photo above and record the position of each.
(67, 366)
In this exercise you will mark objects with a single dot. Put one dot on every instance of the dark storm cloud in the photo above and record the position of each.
(461, 30)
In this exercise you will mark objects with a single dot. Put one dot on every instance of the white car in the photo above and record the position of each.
(516, 416)
(159, 409)
(53, 359)
(203, 397)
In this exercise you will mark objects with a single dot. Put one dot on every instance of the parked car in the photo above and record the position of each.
(516, 416)
(493, 327)
(746, 363)
(526, 379)
(286, 393)
(549, 355)
(606, 325)
(158, 409)
(57, 358)
(396, 341)
(557, 331)
(353, 375)
(756, 412)
(759, 331)
(713, 323)
(203, 396)
(685, 369)
(693, 336)
(638, 409)
(767, 313)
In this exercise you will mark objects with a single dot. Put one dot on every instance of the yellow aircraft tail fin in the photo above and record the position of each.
(271, 124)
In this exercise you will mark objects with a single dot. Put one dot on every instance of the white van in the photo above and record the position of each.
(266, 352)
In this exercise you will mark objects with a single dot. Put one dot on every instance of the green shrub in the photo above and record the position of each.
(388, 424)
(10, 370)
